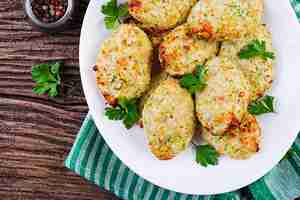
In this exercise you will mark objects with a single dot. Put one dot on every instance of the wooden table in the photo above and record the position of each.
(36, 133)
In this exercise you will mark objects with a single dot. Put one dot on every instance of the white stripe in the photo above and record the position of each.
(91, 159)
(138, 188)
(159, 194)
(83, 148)
(171, 195)
(120, 174)
(195, 197)
(183, 196)
(206, 197)
(148, 192)
(109, 171)
(100, 161)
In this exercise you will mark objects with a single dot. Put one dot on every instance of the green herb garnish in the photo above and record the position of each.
(47, 78)
(195, 82)
(262, 105)
(206, 155)
(126, 110)
(113, 13)
(255, 48)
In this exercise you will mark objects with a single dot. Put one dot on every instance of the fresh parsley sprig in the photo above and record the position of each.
(206, 155)
(255, 48)
(195, 82)
(113, 13)
(262, 105)
(126, 110)
(47, 78)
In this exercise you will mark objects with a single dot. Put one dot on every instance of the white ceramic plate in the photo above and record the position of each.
(182, 174)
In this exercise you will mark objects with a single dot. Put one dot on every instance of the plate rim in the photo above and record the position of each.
(137, 172)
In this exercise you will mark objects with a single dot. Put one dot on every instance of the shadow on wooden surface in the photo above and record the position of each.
(37, 132)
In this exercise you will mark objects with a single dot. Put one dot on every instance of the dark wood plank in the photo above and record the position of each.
(37, 132)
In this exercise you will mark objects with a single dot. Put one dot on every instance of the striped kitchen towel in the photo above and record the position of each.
(91, 158)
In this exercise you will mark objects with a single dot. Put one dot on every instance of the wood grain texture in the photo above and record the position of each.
(37, 132)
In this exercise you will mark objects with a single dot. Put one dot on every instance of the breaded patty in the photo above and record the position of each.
(257, 70)
(155, 82)
(180, 52)
(239, 143)
(155, 38)
(169, 120)
(159, 15)
(223, 103)
(225, 19)
(124, 64)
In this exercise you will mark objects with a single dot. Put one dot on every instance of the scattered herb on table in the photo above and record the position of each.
(262, 105)
(206, 155)
(47, 78)
(255, 48)
(49, 10)
(113, 13)
(195, 82)
(126, 110)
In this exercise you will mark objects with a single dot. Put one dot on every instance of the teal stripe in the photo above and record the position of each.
(119, 179)
(296, 167)
(261, 191)
(83, 152)
(183, 196)
(159, 194)
(86, 156)
(96, 160)
(68, 160)
(92, 158)
(279, 181)
(177, 196)
(138, 188)
(148, 192)
(127, 183)
(153, 193)
(105, 163)
(189, 197)
(228, 196)
(143, 190)
(84, 134)
(165, 195)
(123, 181)
(132, 187)
(108, 174)
(114, 174)
(99, 167)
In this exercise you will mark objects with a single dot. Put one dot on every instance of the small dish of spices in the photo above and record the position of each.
(50, 15)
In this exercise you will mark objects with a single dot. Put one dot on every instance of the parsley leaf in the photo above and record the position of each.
(126, 110)
(262, 105)
(254, 49)
(113, 13)
(47, 78)
(206, 155)
(116, 113)
(195, 82)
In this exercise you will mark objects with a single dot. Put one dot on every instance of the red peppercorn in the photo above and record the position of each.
(49, 10)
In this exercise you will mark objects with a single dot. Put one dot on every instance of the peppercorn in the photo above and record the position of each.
(49, 11)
